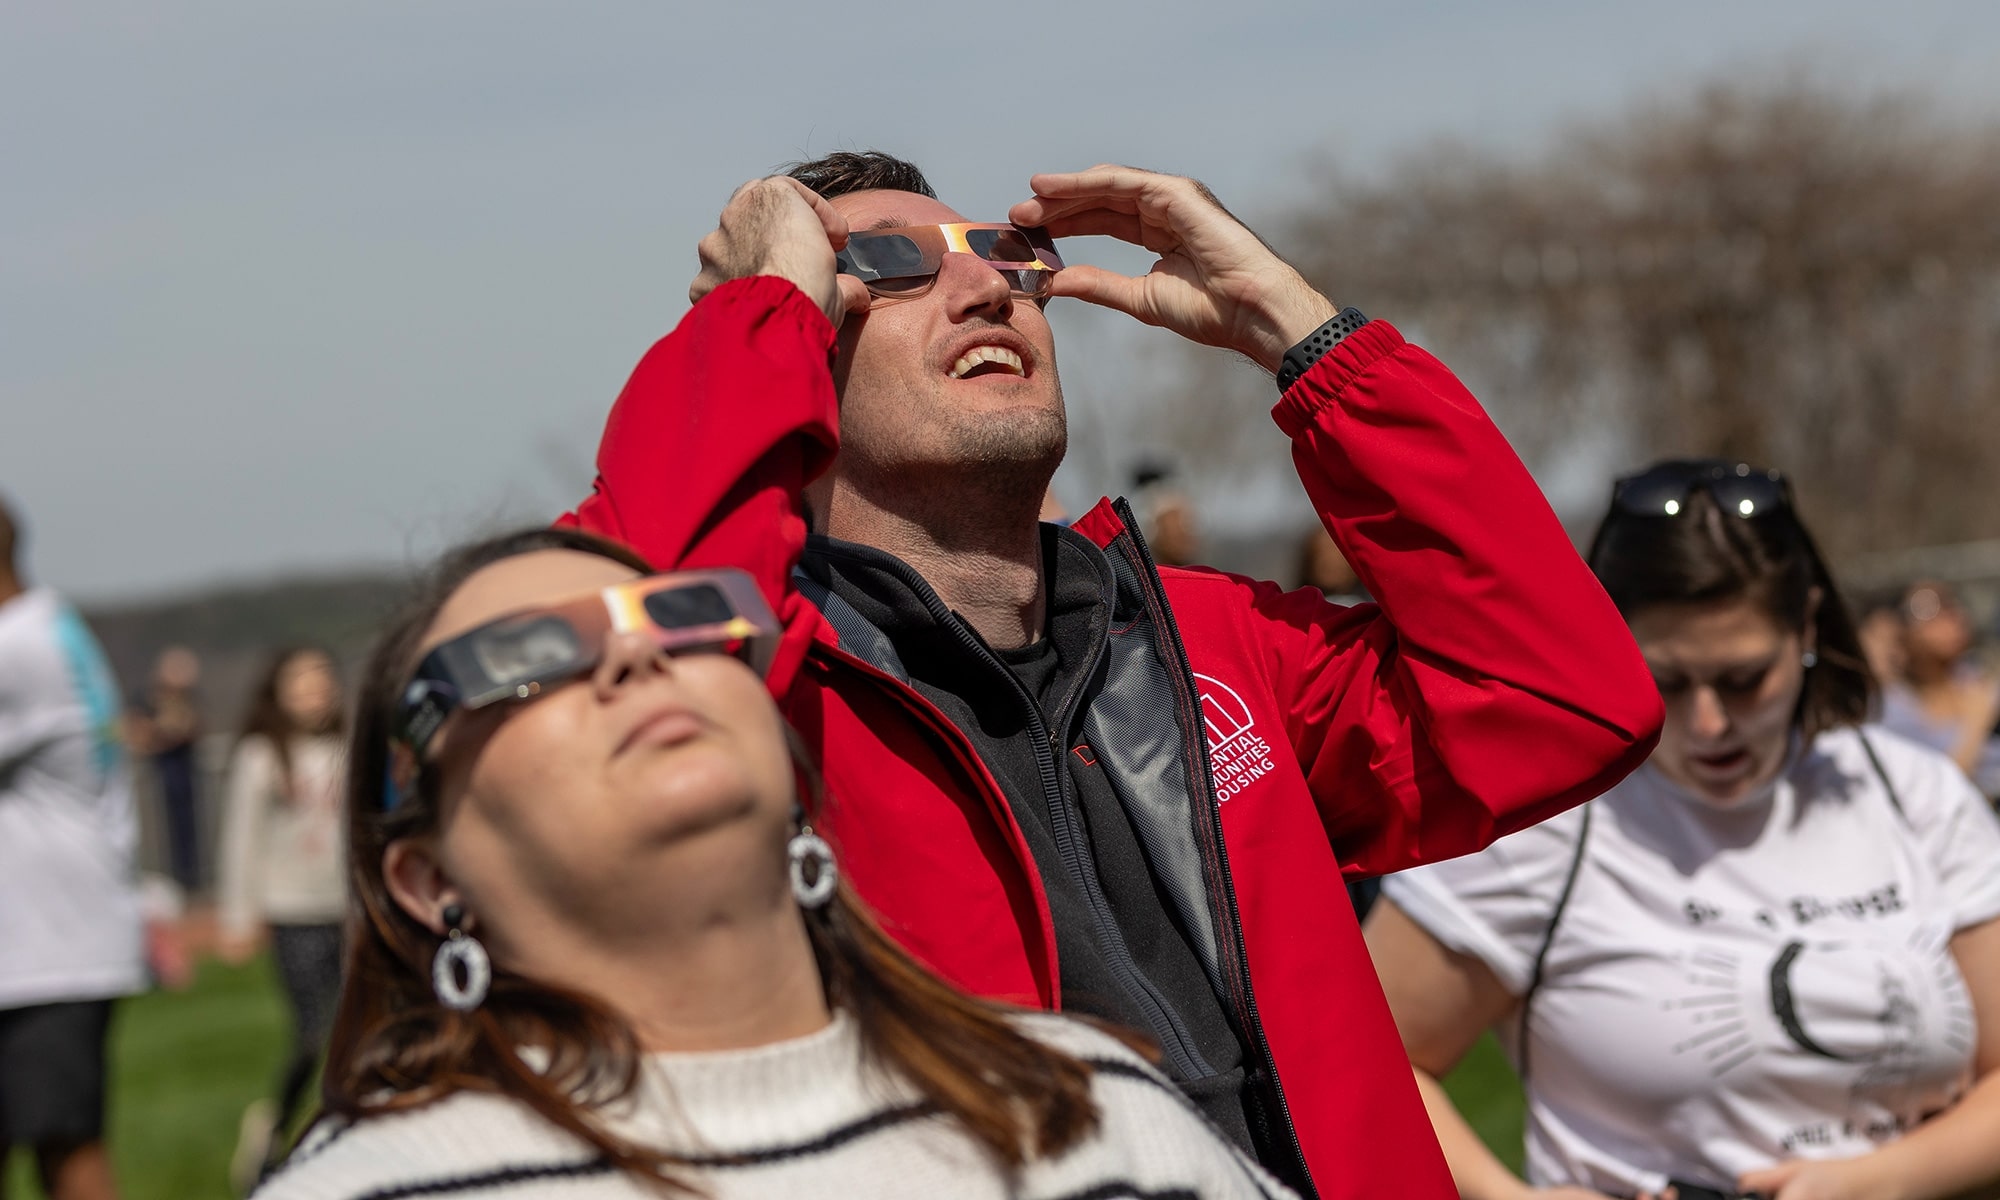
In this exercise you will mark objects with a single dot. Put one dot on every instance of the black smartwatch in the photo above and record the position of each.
(1300, 358)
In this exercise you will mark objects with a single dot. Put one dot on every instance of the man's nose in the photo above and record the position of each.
(972, 288)
(628, 658)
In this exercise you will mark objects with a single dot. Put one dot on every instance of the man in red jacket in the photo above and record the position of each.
(1064, 776)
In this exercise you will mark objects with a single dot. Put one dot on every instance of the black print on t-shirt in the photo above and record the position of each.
(1720, 989)
(1802, 911)
(1821, 1133)
(1879, 903)
(1699, 913)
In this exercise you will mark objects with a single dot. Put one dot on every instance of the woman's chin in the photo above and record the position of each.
(1723, 782)
(698, 791)
(1724, 795)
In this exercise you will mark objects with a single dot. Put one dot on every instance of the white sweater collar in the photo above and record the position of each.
(774, 1091)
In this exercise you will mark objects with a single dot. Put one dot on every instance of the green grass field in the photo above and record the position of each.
(184, 1065)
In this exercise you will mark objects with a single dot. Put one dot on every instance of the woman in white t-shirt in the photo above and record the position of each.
(1766, 962)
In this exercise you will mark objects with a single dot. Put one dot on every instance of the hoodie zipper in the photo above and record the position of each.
(1176, 1042)
(1155, 593)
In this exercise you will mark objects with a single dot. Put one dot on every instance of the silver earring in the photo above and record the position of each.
(1808, 660)
(814, 873)
(460, 951)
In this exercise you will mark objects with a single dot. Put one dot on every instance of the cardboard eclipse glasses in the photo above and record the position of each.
(515, 657)
(903, 261)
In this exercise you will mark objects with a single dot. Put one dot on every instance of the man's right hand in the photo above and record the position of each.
(779, 226)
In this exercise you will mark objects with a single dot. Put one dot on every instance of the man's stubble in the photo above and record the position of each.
(964, 470)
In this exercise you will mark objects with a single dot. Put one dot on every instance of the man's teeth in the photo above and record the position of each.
(987, 354)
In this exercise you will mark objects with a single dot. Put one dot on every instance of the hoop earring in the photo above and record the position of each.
(1808, 660)
(811, 888)
(460, 950)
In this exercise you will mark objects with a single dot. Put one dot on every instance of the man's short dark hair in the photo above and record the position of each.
(846, 171)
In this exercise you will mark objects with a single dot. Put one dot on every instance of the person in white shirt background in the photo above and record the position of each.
(598, 947)
(70, 930)
(1765, 963)
(281, 869)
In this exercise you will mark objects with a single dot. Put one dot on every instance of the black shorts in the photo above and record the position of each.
(52, 1073)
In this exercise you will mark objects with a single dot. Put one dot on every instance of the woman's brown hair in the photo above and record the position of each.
(395, 1047)
(1703, 555)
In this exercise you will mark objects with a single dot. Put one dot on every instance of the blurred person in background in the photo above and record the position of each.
(1767, 961)
(1878, 621)
(1945, 698)
(70, 936)
(280, 868)
(165, 727)
(600, 946)
(1172, 532)
(1322, 567)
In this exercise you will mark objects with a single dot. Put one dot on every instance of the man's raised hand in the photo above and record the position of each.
(1215, 281)
(779, 226)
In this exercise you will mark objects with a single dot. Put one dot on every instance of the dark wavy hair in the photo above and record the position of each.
(395, 1047)
(1704, 555)
(846, 171)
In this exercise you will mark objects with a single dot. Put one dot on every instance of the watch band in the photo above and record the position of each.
(1300, 358)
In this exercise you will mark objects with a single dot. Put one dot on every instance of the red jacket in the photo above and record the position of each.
(1493, 687)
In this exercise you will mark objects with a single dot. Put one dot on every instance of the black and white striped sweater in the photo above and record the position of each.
(801, 1118)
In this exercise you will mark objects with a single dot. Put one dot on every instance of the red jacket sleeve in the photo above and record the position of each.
(1495, 685)
(709, 447)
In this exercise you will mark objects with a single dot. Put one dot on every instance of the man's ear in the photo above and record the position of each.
(417, 883)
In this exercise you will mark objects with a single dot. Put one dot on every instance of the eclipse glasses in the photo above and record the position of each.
(518, 655)
(903, 261)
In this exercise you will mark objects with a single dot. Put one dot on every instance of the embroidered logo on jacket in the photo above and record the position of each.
(1238, 755)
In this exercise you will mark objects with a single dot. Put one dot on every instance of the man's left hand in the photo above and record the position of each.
(1215, 283)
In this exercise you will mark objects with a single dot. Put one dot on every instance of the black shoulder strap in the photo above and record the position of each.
(1874, 760)
(1548, 939)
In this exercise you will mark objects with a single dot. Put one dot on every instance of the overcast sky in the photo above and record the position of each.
(304, 285)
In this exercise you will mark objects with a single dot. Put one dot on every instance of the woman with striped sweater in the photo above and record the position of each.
(600, 952)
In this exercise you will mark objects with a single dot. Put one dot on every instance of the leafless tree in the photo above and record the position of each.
(1776, 272)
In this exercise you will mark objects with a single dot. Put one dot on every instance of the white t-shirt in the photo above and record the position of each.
(69, 913)
(1728, 988)
(282, 853)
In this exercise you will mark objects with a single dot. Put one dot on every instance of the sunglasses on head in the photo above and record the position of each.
(903, 261)
(518, 655)
(1739, 489)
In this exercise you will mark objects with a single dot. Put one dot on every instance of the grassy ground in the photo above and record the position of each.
(184, 1065)
(1485, 1090)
